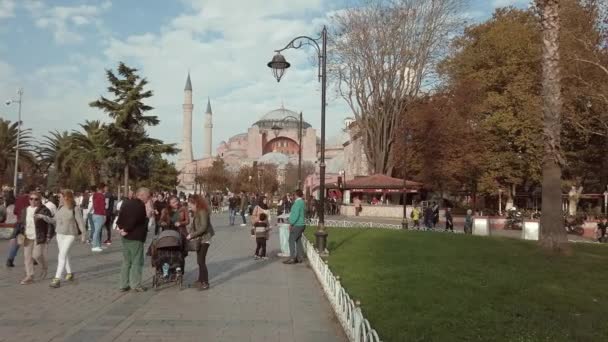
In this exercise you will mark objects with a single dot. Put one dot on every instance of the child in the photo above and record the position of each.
(260, 231)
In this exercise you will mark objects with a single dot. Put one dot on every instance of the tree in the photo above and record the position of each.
(8, 147)
(291, 175)
(161, 176)
(54, 151)
(127, 133)
(215, 178)
(552, 234)
(382, 54)
(89, 150)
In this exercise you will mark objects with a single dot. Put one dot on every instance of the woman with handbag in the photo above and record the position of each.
(199, 237)
(69, 224)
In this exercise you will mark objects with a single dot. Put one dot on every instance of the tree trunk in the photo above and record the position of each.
(552, 233)
(126, 175)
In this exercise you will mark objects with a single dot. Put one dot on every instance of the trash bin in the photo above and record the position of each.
(284, 239)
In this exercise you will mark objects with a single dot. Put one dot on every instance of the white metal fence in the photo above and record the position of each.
(356, 327)
(353, 224)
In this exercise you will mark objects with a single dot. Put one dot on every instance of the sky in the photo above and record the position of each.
(58, 51)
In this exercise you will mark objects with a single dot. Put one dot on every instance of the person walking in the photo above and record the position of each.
(99, 217)
(468, 222)
(260, 232)
(11, 219)
(358, 205)
(449, 220)
(232, 208)
(244, 207)
(109, 209)
(296, 229)
(37, 229)
(201, 231)
(133, 225)
(69, 223)
(415, 215)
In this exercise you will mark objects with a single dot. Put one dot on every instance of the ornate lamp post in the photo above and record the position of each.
(606, 201)
(8, 103)
(279, 65)
(277, 131)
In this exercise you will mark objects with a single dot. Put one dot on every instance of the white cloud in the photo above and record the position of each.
(65, 21)
(7, 8)
(226, 49)
(505, 3)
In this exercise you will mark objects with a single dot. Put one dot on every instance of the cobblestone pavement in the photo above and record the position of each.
(249, 300)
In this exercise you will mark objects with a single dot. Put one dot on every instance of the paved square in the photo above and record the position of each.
(249, 300)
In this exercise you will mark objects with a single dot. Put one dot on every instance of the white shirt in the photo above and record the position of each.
(30, 225)
(52, 207)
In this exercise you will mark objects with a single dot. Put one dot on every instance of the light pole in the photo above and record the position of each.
(279, 65)
(606, 201)
(8, 103)
(277, 130)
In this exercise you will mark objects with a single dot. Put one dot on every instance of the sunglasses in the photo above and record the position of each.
(34, 199)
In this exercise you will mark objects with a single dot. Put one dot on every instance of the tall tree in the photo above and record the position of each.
(90, 150)
(54, 151)
(8, 147)
(382, 53)
(127, 133)
(552, 234)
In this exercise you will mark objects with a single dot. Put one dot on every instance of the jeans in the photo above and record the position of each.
(295, 240)
(13, 246)
(243, 216)
(260, 248)
(98, 223)
(64, 242)
(232, 215)
(90, 225)
(132, 263)
(201, 256)
(108, 224)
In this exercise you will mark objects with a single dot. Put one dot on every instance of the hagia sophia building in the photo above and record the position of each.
(265, 144)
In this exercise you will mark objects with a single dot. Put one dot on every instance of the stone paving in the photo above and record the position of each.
(249, 300)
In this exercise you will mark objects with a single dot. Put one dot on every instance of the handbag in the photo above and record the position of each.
(194, 245)
(20, 239)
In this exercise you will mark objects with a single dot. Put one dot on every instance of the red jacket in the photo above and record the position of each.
(99, 204)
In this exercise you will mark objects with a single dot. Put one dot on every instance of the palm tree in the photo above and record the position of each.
(53, 152)
(8, 147)
(90, 150)
(553, 235)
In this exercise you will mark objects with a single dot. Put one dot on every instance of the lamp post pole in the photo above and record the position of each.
(17, 147)
(278, 66)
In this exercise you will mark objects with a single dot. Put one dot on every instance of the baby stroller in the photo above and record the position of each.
(168, 253)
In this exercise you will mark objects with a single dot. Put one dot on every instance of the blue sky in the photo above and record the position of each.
(57, 51)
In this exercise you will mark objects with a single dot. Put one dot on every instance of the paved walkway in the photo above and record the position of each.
(249, 300)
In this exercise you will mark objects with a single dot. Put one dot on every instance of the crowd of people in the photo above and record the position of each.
(68, 217)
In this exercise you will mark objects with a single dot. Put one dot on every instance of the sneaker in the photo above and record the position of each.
(197, 284)
(107, 242)
(290, 262)
(204, 286)
(256, 257)
(9, 263)
(264, 258)
(55, 283)
(243, 224)
(140, 289)
(124, 289)
(27, 281)
(69, 277)
(96, 249)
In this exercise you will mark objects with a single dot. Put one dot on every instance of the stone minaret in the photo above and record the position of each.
(208, 129)
(185, 156)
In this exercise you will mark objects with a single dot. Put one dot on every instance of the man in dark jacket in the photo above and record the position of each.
(133, 224)
(35, 224)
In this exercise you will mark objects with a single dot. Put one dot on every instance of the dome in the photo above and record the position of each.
(275, 158)
(281, 117)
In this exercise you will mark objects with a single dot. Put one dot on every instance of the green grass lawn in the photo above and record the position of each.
(424, 286)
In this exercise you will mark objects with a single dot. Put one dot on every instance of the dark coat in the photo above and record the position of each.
(133, 220)
(44, 230)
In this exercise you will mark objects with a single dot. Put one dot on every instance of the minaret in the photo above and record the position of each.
(185, 156)
(208, 129)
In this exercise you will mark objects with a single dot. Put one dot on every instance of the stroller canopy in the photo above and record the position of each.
(169, 239)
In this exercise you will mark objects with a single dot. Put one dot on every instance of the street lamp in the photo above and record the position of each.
(606, 201)
(277, 130)
(8, 103)
(279, 65)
